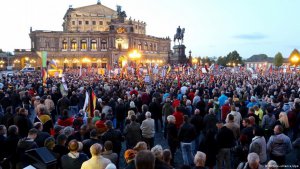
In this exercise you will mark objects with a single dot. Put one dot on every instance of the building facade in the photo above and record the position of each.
(96, 36)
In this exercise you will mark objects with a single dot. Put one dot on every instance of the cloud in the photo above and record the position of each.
(251, 36)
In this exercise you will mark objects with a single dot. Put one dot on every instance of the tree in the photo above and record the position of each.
(221, 61)
(278, 60)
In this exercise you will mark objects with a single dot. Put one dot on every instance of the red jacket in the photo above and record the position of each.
(224, 111)
(65, 122)
(179, 118)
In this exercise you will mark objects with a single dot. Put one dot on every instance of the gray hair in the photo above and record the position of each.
(211, 111)
(272, 164)
(157, 151)
(253, 158)
(68, 131)
(171, 118)
(200, 158)
(148, 114)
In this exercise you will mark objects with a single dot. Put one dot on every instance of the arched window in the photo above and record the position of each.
(65, 44)
(83, 44)
(151, 47)
(139, 46)
(103, 44)
(146, 46)
(74, 44)
(94, 44)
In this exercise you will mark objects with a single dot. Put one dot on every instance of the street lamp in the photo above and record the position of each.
(135, 55)
(295, 59)
(194, 61)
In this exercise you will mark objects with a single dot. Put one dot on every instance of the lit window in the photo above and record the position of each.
(83, 44)
(103, 44)
(74, 45)
(100, 22)
(94, 45)
(65, 44)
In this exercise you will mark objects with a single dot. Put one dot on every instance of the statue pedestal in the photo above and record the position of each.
(178, 57)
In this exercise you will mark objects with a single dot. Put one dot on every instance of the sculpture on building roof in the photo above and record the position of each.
(121, 13)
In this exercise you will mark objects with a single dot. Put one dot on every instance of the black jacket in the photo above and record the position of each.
(225, 138)
(187, 133)
(115, 136)
(73, 163)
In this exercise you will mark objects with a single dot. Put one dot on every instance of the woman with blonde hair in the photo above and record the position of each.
(283, 121)
(140, 146)
(129, 114)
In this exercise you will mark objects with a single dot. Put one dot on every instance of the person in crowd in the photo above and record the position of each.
(259, 113)
(145, 159)
(167, 157)
(12, 140)
(24, 144)
(247, 130)
(41, 136)
(60, 146)
(158, 153)
(74, 101)
(279, 145)
(284, 122)
(74, 159)
(44, 118)
(237, 116)
(129, 156)
(209, 121)
(272, 165)
(172, 137)
(50, 107)
(62, 104)
(199, 160)
(87, 143)
(167, 110)
(186, 136)
(115, 136)
(233, 126)
(178, 114)
(225, 141)
(129, 114)
(65, 120)
(208, 146)
(225, 110)
(132, 133)
(97, 161)
(148, 130)
(140, 146)
(252, 162)
(259, 145)
(22, 121)
(97, 116)
(109, 154)
(197, 121)
(268, 122)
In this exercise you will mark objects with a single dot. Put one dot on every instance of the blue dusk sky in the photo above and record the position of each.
(212, 27)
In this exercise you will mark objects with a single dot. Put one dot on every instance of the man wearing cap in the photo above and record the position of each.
(129, 158)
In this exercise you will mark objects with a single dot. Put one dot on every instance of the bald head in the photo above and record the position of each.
(96, 149)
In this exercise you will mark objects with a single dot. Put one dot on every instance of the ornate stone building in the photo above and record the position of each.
(96, 36)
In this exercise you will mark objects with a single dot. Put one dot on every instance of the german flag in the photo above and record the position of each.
(90, 103)
(44, 76)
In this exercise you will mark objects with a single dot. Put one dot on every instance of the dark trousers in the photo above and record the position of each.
(149, 141)
(280, 160)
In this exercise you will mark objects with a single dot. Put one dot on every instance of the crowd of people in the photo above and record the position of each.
(220, 119)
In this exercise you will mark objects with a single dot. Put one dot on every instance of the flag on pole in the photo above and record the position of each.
(90, 103)
(44, 76)
(169, 69)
